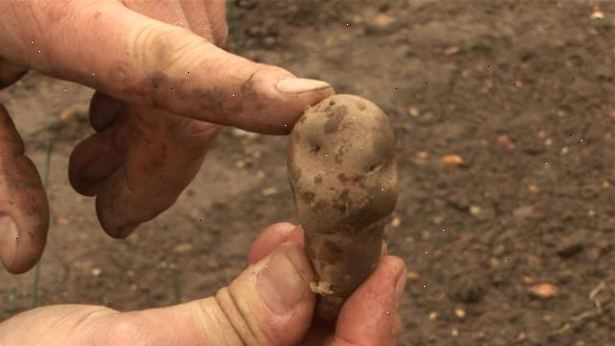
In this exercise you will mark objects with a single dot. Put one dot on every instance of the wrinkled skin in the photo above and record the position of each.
(344, 179)
(369, 316)
(163, 90)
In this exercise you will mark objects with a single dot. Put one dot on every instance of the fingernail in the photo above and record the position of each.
(279, 284)
(300, 85)
(384, 249)
(296, 235)
(400, 288)
(8, 239)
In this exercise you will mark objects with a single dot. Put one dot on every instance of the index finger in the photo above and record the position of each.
(144, 61)
(24, 212)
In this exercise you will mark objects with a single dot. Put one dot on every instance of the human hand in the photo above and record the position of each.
(159, 62)
(270, 303)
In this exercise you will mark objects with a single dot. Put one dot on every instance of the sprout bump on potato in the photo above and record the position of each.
(344, 180)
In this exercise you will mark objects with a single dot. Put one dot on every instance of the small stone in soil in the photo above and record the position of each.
(382, 23)
(452, 160)
(422, 155)
(467, 290)
(452, 50)
(396, 222)
(543, 290)
(570, 248)
(413, 111)
(505, 142)
(597, 15)
(475, 210)
(96, 272)
(523, 212)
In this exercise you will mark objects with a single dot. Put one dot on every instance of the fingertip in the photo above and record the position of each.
(19, 256)
(296, 235)
(370, 315)
(117, 228)
(92, 161)
(273, 297)
(392, 265)
(272, 237)
(104, 110)
(273, 99)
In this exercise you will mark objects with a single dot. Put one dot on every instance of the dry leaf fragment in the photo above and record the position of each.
(452, 50)
(269, 191)
(182, 248)
(413, 276)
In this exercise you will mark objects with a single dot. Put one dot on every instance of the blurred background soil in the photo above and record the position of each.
(504, 113)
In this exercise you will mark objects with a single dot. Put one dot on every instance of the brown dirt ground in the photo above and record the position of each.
(522, 91)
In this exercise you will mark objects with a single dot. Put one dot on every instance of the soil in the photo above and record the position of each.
(509, 239)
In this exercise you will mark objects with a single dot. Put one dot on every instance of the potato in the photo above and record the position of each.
(344, 180)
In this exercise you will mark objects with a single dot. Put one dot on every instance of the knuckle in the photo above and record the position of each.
(240, 316)
(160, 46)
(157, 51)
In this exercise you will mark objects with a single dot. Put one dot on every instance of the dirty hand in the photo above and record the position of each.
(270, 303)
(149, 61)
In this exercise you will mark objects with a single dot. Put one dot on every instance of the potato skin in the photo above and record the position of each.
(344, 180)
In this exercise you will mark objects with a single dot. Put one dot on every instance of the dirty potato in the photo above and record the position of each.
(344, 179)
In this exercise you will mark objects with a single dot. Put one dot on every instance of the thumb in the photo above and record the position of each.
(141, 60)
(270, 303)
